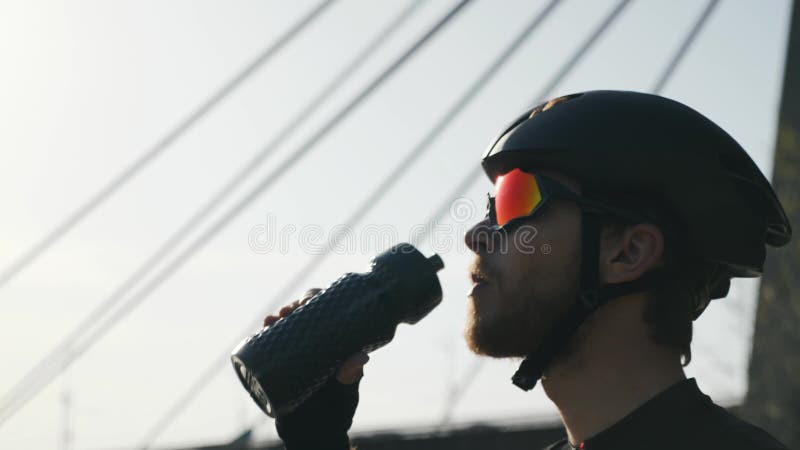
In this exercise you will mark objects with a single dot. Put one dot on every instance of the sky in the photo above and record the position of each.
(86, 87)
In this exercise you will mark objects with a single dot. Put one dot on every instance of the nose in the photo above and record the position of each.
(481, 236)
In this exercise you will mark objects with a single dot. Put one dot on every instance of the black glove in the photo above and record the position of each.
(322, 421)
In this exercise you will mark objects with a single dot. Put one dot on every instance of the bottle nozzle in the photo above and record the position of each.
(436, 262)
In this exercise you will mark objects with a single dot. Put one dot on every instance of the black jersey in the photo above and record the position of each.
(681, 417)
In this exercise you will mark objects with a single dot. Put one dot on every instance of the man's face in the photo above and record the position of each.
(523, 280)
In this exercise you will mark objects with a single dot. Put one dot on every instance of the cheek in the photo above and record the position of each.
(541, 276)
(558, 251)
(520, 268)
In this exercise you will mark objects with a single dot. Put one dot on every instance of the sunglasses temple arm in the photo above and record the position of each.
(597, 206)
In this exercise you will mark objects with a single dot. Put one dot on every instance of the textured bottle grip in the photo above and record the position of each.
(286, 363)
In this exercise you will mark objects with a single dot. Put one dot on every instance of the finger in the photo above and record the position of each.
(270, 319)
(283, 312)
(352, 369)
(310, 293)
(349, 375)
(286, 310)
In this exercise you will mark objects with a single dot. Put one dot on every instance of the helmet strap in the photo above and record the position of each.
(590, 297)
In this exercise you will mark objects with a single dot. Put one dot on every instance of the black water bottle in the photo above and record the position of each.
(287, 362)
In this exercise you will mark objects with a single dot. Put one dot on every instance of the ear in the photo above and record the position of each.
(627, 253)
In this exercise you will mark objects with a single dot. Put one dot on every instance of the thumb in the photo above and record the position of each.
(352, 369)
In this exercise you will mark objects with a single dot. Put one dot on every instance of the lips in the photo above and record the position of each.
(478, 277)
(480, 282)
(481, 277)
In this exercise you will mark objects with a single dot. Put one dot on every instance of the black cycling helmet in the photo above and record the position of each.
(623, 141)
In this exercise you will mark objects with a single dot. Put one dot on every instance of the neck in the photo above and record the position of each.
(612, 369)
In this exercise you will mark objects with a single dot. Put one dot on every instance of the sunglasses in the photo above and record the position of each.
(518, 195)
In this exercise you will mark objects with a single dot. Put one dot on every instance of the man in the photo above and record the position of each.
(649, 210)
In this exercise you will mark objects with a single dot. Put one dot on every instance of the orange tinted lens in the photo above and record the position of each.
(516, 195)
